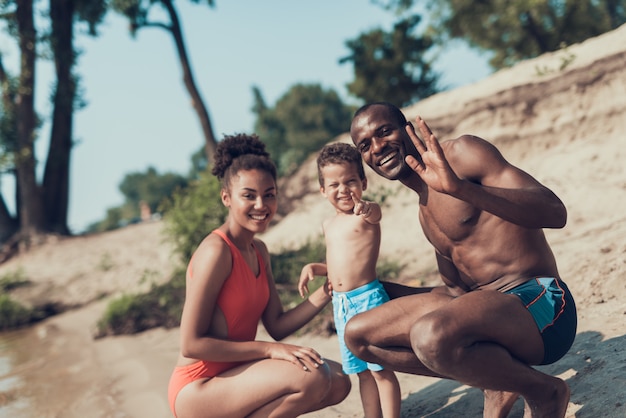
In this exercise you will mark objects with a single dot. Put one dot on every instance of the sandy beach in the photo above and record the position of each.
(564, 126)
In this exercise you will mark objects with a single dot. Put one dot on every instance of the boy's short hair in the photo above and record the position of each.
(339, 153)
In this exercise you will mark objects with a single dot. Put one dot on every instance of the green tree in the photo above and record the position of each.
(392, 66)
(138, 13)
(306, 117)
(148, 188)
(515, 30)
(41, 206)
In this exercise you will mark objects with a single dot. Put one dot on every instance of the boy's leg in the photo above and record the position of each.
(389, 392)
(369, 395)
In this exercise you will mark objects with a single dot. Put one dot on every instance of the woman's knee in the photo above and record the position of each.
(321, 384)
(340, 385)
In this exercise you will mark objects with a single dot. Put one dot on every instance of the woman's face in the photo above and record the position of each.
(251, 199)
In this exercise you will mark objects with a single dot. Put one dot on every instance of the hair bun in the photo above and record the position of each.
(234, 146)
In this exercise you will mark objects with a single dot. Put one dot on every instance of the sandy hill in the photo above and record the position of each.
(561, 117)
(565, 126)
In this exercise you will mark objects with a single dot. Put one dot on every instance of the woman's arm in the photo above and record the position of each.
(202, 337)
(280, 323)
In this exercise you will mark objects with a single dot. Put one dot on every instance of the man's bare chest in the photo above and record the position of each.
(448, 222)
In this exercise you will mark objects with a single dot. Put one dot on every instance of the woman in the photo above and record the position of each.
(222, 371)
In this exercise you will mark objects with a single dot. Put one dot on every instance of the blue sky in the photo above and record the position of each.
(139, 113)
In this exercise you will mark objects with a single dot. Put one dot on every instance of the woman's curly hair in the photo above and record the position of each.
(241, 152)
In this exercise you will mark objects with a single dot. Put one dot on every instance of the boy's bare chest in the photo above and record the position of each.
(343, 230)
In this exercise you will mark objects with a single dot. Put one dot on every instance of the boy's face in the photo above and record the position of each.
(341, 181)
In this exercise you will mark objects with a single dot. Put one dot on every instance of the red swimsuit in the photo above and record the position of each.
(242, 300)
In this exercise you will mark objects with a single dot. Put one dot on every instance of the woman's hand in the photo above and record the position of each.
(304, 357)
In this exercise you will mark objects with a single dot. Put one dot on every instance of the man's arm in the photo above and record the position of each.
(473, 170)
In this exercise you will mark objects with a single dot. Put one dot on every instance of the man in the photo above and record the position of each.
(502, 306)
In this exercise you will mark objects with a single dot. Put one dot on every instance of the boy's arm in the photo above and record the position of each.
(370, 211)
(308, 273)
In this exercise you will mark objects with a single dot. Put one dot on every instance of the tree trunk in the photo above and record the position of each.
(57, 171)
(196, 99)
(8, 224)
(30, 197)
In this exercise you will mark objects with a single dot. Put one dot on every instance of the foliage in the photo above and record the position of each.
(380, 194)
(199, 164)
(193, 213)
(8, 119)
(12, 314)
(13, 280)
(287, 265)
(150, 188)
(40, 31)
(15, 315)
(160, 307)
(388, 270)
(519, 29)
(114, 219)
(305, 118)
(392, 66)
(106, 262)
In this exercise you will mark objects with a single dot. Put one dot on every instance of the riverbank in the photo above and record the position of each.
(565, 128)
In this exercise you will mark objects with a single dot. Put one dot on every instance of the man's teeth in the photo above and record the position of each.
(387, 158)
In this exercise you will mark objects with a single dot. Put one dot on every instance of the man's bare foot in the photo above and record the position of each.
(551, 404)
(498, 404)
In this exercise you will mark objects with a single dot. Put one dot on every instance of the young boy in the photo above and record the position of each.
(352, 244)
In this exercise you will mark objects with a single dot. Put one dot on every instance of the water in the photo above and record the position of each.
(14, 353)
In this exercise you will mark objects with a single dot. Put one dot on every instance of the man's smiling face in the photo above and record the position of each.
(382, 141)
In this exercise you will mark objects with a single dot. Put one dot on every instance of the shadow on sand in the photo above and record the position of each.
(595, 370)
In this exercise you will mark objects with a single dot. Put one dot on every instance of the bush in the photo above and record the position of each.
(12, 314)
(160, 307)
(193, 213)
(287, 265)
(13, 280)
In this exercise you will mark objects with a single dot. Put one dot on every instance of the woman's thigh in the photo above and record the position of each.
(242, 390)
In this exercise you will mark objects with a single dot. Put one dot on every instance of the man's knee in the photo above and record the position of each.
(355, 334)
(433, 340)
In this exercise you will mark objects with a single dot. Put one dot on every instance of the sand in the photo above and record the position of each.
(564, 126)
